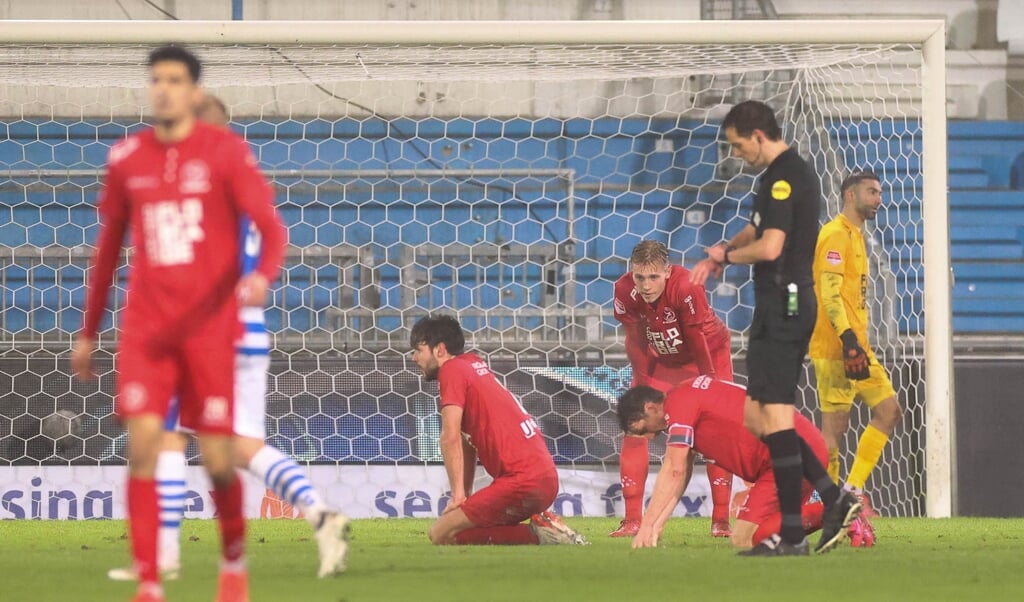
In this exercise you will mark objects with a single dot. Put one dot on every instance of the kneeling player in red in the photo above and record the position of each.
(707, 415)
(480, 417)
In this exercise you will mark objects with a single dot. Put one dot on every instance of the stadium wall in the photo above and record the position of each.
(989, 416)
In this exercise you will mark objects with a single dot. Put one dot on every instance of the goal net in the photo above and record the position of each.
(503, 182)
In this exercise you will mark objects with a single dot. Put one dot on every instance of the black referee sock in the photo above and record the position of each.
(816, 475)
(787, 464)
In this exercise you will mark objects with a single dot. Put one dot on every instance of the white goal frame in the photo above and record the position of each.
(928, 34)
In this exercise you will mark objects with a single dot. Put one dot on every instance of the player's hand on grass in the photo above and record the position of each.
(646, 537)
(704, 268)
(81, 358)
(252, 290)
(855, 359)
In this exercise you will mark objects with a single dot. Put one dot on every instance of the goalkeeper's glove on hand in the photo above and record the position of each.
(855, 359)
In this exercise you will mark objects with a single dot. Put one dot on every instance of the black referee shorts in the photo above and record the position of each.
(778, 345)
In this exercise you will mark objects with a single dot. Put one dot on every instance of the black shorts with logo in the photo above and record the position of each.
(778, 344)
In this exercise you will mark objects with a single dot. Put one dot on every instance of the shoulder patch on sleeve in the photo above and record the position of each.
(834, 257)
(781, 190)
(620, 307)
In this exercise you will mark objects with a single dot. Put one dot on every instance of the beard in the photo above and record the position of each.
(430, 372)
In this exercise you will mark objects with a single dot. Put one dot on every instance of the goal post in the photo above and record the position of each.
(497, 169)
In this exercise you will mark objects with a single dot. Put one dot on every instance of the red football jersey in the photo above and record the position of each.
(506, 438)
(679, 328)
(184, 201)
(707, 415)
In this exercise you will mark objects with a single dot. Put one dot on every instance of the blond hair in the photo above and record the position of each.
(649, 252)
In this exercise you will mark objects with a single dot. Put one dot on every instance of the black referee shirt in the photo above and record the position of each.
(788, 198)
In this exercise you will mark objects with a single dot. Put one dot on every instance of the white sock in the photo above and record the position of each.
(288, 480)
(170, 487)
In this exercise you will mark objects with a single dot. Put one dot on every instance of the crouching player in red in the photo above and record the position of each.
(480, 417)
(672, 335)
(706, 415)
(183, 186)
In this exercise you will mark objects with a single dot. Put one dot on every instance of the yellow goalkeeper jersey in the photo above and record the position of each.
(840, 250)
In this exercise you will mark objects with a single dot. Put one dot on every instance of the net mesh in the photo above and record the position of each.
(505, 183)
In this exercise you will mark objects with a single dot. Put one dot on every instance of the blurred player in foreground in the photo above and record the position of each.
(481, 418)
(706, 415)
(183, 186)
(672, 335)
(844, 364)
(276, 470)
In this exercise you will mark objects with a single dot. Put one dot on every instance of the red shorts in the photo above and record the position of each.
(762, 505)
(511, 500)
(668, 377)
(201, 375)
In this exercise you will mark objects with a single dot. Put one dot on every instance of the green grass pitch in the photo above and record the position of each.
(391, 560)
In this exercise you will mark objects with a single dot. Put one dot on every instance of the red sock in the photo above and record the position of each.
(232, 520)
(633, 466)
(721, 492)
(512, 535)
(143, 523)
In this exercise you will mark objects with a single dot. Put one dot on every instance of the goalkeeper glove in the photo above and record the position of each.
(855, 359)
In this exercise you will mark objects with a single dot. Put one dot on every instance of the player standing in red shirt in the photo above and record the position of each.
(672, 334)
(183, 187)
(706, 415)
(481, 418)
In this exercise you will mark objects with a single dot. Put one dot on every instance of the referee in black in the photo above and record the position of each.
(779, 241)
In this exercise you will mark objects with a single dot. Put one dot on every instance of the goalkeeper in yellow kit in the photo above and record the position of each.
(845, 366)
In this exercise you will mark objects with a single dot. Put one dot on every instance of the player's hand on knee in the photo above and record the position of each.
(455, 502)
(855, 359)
(81, 358)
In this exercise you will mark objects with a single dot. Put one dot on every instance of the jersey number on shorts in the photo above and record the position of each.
(172, 229)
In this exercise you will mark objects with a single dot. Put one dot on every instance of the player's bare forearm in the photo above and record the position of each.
(668, 488)
(468, 467)
(452, 451)
(686, 465)
(81, 357)
(766, 248)
(454, 465)
(831, 297)
(744, 237)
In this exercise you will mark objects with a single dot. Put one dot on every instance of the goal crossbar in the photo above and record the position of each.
(472, 32)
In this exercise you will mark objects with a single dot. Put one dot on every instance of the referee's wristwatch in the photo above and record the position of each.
(725, 256)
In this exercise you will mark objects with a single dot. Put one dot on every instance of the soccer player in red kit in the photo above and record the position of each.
(182, 186)
(672, 334)
(481, 418)
(706, 415)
